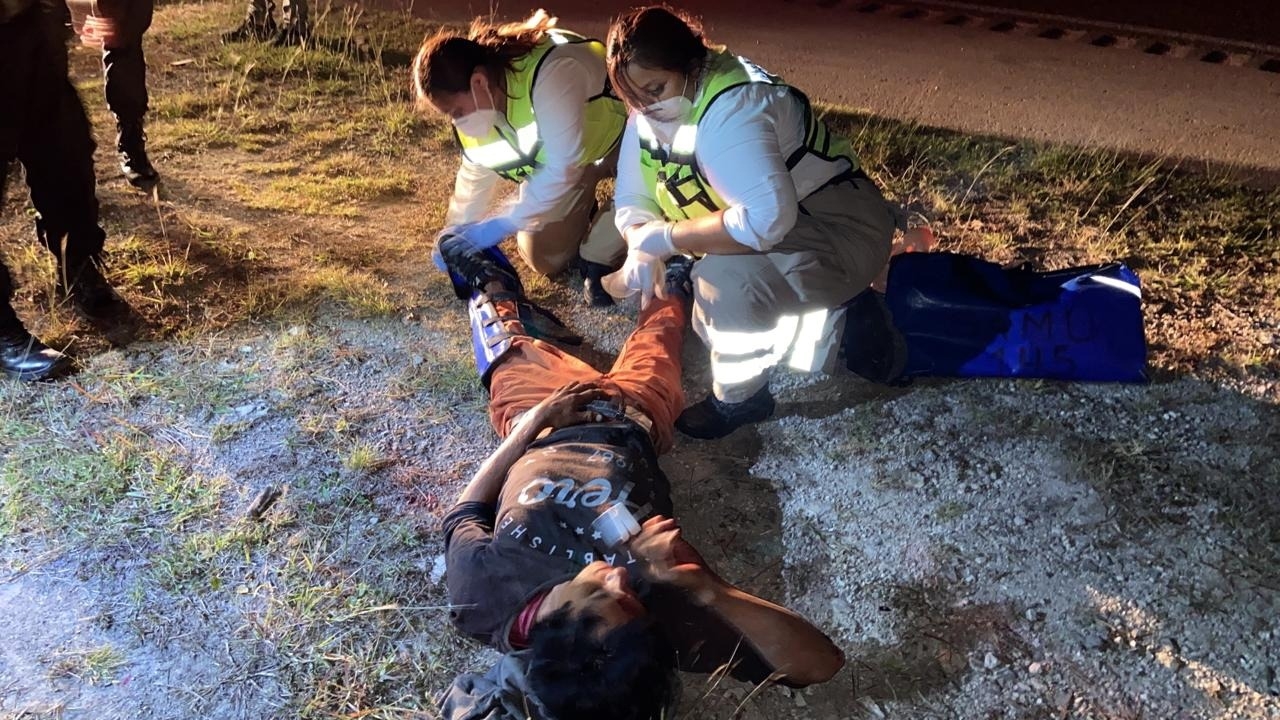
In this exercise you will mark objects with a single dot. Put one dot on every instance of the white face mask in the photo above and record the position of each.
(481, 121)
(675, 109)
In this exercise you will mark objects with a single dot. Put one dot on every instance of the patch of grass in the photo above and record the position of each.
(951, 510)
(96, 494)
(207, 560)
(98, 666)
(364, 458)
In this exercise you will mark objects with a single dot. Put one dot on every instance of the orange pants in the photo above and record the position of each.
(646, 374)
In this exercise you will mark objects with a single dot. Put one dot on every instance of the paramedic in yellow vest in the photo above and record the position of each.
(725, 162)
(531, 104)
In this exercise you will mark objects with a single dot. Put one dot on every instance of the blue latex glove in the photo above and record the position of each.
(477, 236)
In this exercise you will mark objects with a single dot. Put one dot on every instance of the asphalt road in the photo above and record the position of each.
(1255, 21)
(970, 78)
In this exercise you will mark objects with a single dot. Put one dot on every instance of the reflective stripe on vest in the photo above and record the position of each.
(680, 188)
(515, 150)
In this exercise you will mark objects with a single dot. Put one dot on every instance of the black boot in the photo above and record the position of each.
(593, 292)
(476, 269)
(82, 282)
(255, 27)
(712, 418)
(131, 143)
(24, 357)
(679, 280)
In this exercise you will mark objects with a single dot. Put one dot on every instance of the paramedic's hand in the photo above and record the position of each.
(565, 406)
(641, 273)
(477, 236)
(484, 234)
(653, 238)
(670, 559)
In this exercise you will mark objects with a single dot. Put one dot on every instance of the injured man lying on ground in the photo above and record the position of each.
(562, 552)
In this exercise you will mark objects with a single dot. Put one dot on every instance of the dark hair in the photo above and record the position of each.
(657, 37)
(446, 60)
(628, 674)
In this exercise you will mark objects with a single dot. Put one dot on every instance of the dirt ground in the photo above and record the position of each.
(978, 548)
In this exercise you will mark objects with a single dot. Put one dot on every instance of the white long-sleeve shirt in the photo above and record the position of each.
(570, 75)
(743, 142)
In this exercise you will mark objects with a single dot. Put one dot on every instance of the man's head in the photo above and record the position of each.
(596, 652)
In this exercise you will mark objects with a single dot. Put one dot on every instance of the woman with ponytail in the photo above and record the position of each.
(531, 104)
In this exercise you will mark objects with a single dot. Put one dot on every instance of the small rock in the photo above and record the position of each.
(800, 702)
(1035, 668)
(991, 662)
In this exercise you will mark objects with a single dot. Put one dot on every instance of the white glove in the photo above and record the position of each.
(652, 238)
(641, 273)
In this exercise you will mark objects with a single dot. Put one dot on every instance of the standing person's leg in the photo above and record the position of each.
(25, 42)
(56, 150)
(124, 70)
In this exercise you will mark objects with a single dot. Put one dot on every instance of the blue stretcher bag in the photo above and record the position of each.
(962, 316)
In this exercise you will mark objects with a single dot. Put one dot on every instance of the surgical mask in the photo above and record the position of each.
(675, 109)
(481, 121)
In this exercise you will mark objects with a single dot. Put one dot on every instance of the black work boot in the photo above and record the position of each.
(679, 282)
(82, 282)
(593, 292)
(712, 418)
(255, 27)
(23, 356)
(131, 143)
(476, 269)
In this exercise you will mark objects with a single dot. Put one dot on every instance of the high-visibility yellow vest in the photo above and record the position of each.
(680, 188)
(519, 156)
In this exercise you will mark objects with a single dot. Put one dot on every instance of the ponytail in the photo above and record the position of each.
(446, 61)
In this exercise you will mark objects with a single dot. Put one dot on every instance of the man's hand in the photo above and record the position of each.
(564, 407)
(671, 559)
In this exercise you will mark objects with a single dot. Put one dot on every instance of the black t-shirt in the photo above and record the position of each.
(541, 534)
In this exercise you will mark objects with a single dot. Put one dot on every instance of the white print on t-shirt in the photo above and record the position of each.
(566, 492)
(593, 493)
(535, 542)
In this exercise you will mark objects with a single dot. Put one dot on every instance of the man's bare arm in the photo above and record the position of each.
(791, 645)
(561, 409)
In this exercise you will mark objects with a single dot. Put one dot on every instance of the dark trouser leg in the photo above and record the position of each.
(25, 54)
(124, 72)
(125, 79)
(57, 153)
